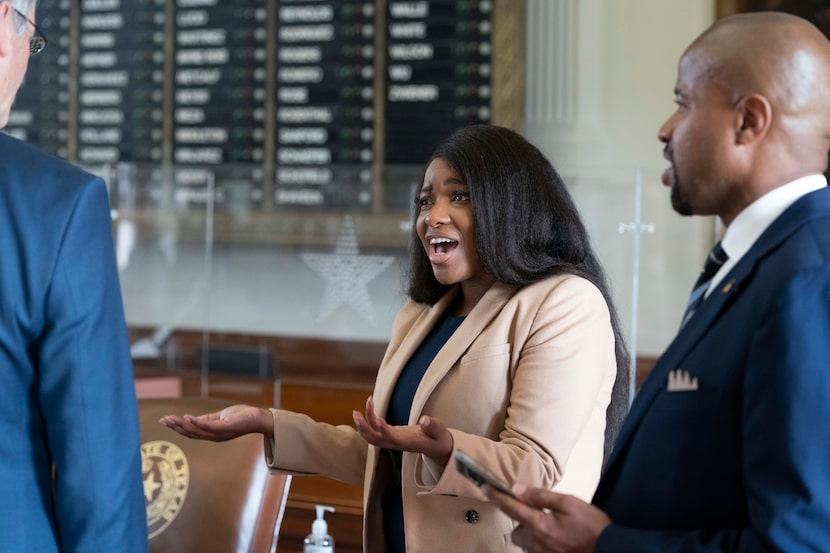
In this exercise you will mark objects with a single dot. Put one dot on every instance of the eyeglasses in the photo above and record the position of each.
(37, 40)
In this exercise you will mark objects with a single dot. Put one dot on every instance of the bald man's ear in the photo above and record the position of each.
(754, 117)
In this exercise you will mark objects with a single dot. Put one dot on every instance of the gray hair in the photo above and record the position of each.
(24, 7)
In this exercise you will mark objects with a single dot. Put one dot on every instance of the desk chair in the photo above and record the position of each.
(204, 496)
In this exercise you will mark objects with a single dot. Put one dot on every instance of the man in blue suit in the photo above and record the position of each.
(726, 446)
(70, 462)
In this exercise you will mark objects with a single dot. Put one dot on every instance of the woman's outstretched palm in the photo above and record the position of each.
(227, 424)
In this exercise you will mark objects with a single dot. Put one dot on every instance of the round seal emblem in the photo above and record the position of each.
(166, 479)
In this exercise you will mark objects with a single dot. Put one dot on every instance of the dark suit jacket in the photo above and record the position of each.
(66, 383)
(743, 463)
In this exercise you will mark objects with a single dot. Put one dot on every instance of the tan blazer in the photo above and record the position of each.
(523, 385)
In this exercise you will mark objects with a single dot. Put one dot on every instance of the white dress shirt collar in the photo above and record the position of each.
(757, 216)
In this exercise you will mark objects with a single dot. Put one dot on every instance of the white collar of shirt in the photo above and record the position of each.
(757, 216)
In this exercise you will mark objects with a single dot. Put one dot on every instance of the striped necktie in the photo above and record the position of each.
(716, 258)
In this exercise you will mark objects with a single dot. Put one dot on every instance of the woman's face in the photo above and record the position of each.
(445, 226)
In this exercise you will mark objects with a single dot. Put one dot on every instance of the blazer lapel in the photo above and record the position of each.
(813, 205)
(421, 326)
(485, 311)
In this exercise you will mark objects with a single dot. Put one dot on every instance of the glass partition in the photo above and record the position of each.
(217, 274)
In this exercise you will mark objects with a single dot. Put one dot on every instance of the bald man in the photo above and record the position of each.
(726, 447)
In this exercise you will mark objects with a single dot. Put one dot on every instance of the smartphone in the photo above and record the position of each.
(480, 475)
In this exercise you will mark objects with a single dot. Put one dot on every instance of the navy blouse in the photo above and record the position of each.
(400, 406)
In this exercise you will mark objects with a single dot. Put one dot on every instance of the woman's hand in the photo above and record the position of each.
(227, 424)
(429, 437)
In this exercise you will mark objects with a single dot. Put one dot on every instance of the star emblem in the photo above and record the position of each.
(347, 274)
(150, 486)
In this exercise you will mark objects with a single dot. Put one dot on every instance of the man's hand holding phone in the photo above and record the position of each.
(548, 521)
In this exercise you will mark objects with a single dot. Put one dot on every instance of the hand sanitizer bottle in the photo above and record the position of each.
(319, 540)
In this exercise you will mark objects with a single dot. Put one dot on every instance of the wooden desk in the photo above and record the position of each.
(332, 403)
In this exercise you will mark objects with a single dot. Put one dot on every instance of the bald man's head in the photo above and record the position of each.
(753, 113)
(783, 58)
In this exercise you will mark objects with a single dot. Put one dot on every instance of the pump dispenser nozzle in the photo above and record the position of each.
(319, 541)
(320, 527)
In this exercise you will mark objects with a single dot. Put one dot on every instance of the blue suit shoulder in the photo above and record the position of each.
(800, 238)
(24, 161)
(37, 183)
(815, 209)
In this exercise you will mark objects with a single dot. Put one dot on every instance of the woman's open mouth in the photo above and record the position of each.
(441, 248)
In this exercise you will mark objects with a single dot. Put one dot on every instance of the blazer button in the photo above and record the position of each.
(471, 516)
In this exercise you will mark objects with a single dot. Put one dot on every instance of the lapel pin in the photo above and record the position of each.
(728, 286)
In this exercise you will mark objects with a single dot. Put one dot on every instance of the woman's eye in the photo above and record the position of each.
(460, 196)
(421, 202)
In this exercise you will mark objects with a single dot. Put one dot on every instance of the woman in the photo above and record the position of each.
(508, 350)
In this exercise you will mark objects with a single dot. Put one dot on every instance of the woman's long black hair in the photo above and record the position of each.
(526, 227)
